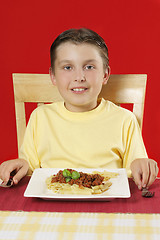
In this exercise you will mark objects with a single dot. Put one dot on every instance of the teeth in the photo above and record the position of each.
(78, 89)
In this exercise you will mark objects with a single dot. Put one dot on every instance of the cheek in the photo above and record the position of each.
(62, 80)
(95, 77)
(90, 75)
(64, 75)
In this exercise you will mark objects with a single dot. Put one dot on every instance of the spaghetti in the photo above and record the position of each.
(85, 184)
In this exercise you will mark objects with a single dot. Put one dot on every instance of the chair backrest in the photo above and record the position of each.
(38, 88)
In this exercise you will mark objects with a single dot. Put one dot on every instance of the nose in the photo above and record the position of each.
(80, 76)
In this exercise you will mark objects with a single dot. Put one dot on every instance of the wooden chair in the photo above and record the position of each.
(38, 88)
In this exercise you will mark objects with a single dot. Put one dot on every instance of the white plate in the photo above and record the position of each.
(38, 188)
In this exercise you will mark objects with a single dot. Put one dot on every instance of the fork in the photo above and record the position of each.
(10, 181)
(8, 184)
(146, 193)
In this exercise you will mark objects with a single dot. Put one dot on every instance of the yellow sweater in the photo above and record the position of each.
(106, 137)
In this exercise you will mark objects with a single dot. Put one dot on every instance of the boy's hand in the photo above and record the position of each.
(144, 172)
(20, 166)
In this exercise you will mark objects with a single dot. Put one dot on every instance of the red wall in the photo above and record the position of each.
(131, 30)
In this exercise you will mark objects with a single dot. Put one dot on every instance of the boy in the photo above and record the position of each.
(83, 131)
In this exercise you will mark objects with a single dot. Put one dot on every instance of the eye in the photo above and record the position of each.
(67, 67)
(89, 67)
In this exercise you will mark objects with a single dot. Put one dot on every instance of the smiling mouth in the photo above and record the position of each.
(79, 89)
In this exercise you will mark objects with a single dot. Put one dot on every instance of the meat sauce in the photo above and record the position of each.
(85, 179)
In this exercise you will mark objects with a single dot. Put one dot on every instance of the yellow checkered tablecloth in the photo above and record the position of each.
(78, 226)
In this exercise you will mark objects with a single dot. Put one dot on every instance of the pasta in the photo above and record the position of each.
(85, 184)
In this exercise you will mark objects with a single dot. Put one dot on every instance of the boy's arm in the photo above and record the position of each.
(144, 171)
(27, 151)
(20, 166)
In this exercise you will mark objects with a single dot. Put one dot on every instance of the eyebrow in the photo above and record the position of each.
(70, 60)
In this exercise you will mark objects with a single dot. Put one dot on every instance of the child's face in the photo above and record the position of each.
(79, 75)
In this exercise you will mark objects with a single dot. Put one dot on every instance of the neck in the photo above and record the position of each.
(82, 108)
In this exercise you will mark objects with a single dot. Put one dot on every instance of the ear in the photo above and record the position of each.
(106, 75)
(52, 76)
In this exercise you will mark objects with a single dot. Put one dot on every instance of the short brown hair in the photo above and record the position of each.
(78, 36)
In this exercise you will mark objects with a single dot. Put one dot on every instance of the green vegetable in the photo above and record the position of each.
(75, 175)
(66, 173)
(68, 179)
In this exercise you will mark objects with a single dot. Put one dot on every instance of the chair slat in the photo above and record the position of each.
(20, 122)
